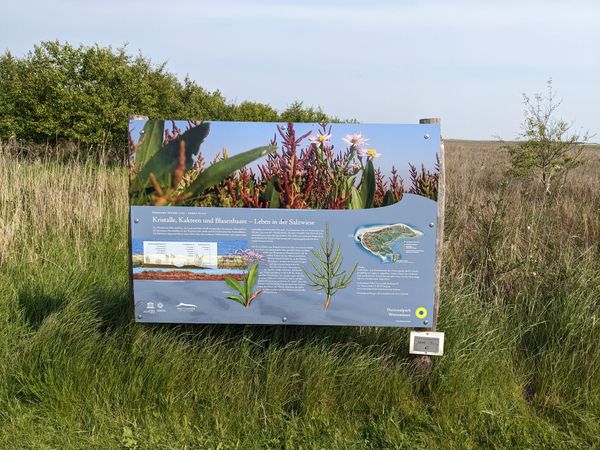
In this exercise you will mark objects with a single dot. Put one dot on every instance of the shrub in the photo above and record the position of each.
(58, 92)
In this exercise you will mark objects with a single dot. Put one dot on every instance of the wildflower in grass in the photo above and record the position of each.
(355, 140)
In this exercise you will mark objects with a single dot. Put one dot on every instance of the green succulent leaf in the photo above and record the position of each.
(389, 198)
(350, 182)
(356, 201)
(152, 139)
(164, 161)
(368, 185)
(271, 193)
(327, 200)
(220, 170)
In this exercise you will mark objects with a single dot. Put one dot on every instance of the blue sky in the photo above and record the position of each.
(377, 61)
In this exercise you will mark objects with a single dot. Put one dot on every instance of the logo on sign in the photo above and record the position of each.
(421, 313)
(186, 307)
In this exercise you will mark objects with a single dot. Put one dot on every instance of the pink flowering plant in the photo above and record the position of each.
(303, 171)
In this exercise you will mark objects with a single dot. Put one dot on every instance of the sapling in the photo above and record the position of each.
(547, 148)
(328, 275)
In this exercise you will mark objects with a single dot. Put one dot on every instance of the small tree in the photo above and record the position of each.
(546, 149)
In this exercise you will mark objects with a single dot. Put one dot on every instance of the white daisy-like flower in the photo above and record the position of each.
(319, 138)
(355, 140)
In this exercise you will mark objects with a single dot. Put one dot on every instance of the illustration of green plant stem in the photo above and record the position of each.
(327, 275)
(245, 289)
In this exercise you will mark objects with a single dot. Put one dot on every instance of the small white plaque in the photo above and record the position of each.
(427, 343)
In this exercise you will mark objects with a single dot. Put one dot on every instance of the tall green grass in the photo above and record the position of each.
(519, 307)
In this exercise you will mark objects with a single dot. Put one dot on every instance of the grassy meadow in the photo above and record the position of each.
(520, 307)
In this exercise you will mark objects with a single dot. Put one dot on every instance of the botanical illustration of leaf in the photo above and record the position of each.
(238, 299)
(253, 296)
(252, 275)
(234, 284)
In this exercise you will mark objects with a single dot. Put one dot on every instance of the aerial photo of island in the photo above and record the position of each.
(382, 241)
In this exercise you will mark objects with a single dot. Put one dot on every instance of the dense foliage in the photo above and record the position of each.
(58, 92)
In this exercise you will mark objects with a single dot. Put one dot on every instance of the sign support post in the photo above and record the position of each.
(423, 363)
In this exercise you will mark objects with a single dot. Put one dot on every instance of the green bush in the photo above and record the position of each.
(58, 92)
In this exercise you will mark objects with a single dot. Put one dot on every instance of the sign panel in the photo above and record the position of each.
(265, 223)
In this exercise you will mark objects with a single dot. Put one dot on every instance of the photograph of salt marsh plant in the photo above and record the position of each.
(233, 259)
(269, 165)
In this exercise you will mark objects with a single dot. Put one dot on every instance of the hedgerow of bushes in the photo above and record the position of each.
(58, 93)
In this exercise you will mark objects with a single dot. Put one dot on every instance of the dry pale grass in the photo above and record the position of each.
(41, 198)
(481, 197)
